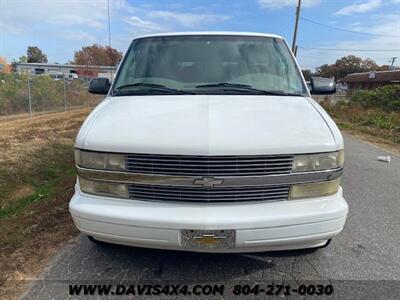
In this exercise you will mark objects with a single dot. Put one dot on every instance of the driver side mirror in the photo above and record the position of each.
(322, 86)
(99, 86)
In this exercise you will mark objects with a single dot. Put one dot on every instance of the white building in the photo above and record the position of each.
(85, 71)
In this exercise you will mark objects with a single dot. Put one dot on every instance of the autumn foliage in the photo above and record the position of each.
(344, 66)
(347, 65)
(6, 67)
(97, 55)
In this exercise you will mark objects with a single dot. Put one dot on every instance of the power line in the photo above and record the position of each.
(343, 49)
(347, 30)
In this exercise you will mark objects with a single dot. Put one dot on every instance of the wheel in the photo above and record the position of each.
(97, 242)
(326, 244)
(315, 249)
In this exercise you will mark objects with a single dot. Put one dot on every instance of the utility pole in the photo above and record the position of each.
(392, 61)
(109, 34)
(65, 94)
(109, 23)
(296, 24)
(29, 94)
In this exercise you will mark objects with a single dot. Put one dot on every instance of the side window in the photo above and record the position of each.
(39, 71)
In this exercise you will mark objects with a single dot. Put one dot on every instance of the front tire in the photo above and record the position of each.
(315, 249)
(97, 242)
(326, 244)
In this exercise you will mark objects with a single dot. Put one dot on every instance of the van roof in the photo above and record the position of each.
(237, 33)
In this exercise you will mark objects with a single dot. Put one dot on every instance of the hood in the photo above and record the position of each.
(206, 125)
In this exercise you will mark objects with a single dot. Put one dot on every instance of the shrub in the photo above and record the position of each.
(386, 98)
(13, 93)
(357, 114)
(46, 93)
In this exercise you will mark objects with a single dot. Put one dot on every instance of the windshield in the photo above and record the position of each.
(208, 64)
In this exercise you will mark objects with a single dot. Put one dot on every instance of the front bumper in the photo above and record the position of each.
(262, 226)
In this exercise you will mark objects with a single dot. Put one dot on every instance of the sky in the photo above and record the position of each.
(60, 27)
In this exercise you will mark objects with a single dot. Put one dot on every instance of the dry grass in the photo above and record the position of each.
(37, 130)
(372, 125)
(25, 141)
(36, 182)
(369, 135)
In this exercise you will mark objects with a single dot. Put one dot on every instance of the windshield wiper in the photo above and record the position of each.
(223, 84)
(152, 87)
(245, 88)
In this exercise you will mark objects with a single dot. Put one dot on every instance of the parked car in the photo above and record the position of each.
(209, 142)
(57, 76)
(72, 76)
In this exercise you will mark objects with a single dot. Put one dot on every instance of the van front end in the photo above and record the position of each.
(230, 209)
(210, 142)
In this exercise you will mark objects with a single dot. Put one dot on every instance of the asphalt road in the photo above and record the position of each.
(368, 250)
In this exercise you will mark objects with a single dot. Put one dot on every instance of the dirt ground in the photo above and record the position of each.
(36, 182)
(23, 141)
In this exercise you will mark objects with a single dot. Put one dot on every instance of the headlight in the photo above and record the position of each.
(318, 162)
(103, 188)
(315, 189)
(99, 160)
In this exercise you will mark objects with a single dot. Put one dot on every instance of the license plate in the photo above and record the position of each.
(207, 239)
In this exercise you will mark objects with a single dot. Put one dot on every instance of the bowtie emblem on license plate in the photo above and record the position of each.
(208, 239)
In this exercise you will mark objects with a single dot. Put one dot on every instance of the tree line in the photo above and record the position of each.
(98, 55)
(344, 66)
(94, 55)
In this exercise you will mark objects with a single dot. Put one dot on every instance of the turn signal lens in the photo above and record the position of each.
(315, 189)
(103, 188)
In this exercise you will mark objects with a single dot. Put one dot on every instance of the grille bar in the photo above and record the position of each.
(201, 191)
(209, 165)
(209, 195)
(218, 165)
(192, 159)
(194, 194)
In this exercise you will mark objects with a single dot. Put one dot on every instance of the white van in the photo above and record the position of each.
(209, 141)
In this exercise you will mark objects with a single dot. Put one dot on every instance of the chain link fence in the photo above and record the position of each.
(340, 95)
(31, 94)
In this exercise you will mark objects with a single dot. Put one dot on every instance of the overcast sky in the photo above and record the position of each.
(60, 27)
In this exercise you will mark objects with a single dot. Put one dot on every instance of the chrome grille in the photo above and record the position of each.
(209, 165)
(195, 194)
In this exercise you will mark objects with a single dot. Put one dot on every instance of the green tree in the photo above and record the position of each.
(35, 55)
(21, 59)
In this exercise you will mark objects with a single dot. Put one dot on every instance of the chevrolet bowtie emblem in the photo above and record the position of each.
(208, 239)
(208, 182)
